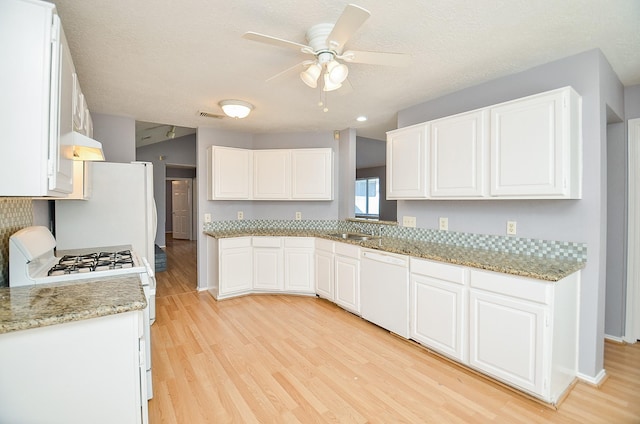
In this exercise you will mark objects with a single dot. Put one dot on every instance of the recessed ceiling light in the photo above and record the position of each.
(361, 118)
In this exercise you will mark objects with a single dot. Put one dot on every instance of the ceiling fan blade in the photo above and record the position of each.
(296, 67)
(348, 23)
(376, 58)
(274, 41)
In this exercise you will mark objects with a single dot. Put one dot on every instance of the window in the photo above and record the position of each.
(368, 197)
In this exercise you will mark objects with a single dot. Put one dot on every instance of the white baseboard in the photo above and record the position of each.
(595, 381)
(614, 338)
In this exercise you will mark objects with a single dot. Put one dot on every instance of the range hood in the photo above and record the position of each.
(83, 147)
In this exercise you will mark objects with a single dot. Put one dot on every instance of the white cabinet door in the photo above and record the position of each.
(236, 266)
(229, 173)
(347, 283)
(507, 338)
(312, 174)
(272, 174)
(298, 265)
(458, 155)
(535, 146)
(34, 76)
(324, 274)
(438, 312)
(267, 268)
(406, 163)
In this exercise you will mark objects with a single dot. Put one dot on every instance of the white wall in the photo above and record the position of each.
(569, 220)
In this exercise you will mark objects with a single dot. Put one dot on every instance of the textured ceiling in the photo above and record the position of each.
(163, 61)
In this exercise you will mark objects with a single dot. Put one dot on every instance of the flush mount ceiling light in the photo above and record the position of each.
(236, 108)
(172, 132)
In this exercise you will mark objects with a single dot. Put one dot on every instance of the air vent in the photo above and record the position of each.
(210, 115)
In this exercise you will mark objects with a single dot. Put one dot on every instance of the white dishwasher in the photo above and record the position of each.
(384, 290)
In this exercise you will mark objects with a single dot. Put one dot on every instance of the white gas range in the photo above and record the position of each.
(32, 261)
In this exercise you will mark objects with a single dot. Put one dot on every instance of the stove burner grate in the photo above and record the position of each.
(73, 264)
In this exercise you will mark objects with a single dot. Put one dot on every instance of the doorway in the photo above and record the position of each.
(182, 209)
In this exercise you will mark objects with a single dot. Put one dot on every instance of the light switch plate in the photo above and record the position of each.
(207, 217)
(409, 221)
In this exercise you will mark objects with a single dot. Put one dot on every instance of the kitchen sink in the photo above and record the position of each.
(354, 236)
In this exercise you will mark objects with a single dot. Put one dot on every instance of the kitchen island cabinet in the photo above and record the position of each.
(73, 353)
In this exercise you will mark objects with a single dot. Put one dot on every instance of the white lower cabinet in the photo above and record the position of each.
(324, 269)
(507, 337)
(347, 277)
(298, 265)
(88, 371)
(438, 295)
(236, 266)
(524, 331)
(267, 264)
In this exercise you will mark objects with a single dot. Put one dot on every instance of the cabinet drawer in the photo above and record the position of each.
(267, 242)
(298, 242)
(514, 286)
(227, 243)
(348, 250)
(452, 273)
(326, 245)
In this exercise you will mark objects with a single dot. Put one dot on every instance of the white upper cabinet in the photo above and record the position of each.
(271, 174)
(276, 174)
(406, 163)
(535, 146)
(34, 80)
(458, 152)
(229, 173)
(529, 148)
(311, 174)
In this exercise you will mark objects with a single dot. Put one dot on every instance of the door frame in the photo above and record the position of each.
(632, 321)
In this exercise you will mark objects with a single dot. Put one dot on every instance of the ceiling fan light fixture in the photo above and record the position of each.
(172, 132)
(337, 71)
(330, 85)
(310, 75)
(236, 108)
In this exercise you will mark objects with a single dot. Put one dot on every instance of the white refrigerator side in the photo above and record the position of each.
(121, 211)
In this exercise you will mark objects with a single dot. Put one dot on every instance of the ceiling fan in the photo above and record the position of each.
(326, 42)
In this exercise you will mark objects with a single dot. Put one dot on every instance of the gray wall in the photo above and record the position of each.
(616, 230)
(570, 220)
(388, 208)
(117, 135)
(370, 153)
(178, 151)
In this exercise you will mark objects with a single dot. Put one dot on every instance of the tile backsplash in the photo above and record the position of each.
(507, 244)
(15, 213)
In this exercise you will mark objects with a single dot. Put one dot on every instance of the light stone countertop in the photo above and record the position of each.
(26, 307)
(548, 269)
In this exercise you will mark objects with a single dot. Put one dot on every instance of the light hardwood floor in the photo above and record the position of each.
(289, 359)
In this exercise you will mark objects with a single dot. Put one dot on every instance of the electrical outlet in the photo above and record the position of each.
(298, 216)
(240, 215)
(444, 224)
(511, 228)
(409, 221)
(207, 217)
